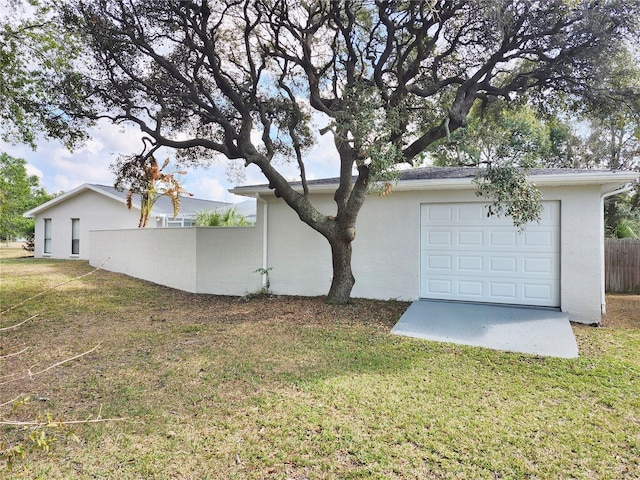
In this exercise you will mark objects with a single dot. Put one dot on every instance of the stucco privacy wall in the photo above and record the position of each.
(94, 211)
(227, 259)
(386, 252)
(217, 260)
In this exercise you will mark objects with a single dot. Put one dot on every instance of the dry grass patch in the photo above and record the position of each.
(288, 387)
(618, 336)
(13, 250)
(623, 311)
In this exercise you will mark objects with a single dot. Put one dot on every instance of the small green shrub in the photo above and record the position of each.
(228, 218)
(627, 228)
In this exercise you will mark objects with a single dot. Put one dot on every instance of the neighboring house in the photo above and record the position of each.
(431, 238)
(247, 209)
(62, 225)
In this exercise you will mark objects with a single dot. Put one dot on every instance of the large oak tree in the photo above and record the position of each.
(251, 79)
(40, 88)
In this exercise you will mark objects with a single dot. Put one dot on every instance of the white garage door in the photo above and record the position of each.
(468, 256)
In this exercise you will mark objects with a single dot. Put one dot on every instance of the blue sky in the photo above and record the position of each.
(61, 170)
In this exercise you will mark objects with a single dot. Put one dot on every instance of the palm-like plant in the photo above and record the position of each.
(141, 175)
(627, 228)
(227, 218)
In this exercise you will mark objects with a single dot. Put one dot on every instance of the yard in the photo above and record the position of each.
(195, 387)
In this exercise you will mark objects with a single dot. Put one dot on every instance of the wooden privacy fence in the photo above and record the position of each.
(622, 265)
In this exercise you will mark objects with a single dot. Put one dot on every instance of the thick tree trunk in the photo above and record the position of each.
(343, 279)
(611, 214)
(339, 230)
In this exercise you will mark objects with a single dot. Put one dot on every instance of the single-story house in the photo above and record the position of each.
(62, 224)
(431, 238)
(246, 209)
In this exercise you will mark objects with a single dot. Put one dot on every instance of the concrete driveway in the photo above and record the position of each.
(533, 330)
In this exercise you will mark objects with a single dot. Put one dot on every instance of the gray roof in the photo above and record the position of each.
(247, 209)
(441, 173)
(188, 205)
(434, 173)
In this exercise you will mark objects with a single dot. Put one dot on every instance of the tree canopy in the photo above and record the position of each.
(39, 86)
(602, 133)
(19, 192)
(499, 133)
(260, 80)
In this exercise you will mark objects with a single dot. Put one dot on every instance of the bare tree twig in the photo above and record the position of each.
(2, 357)
(54, 287)
(10, 401)
(33, 374)
(17, 324)
(60, 423)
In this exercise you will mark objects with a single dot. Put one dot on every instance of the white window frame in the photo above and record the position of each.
(180, 222)
(46, 248)
(75, 237)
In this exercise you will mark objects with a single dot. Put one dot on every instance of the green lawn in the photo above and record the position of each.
(292, 388)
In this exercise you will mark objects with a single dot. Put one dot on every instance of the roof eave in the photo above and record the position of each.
(600, 178)
(72, 193)
(54, 201)
(549, 180)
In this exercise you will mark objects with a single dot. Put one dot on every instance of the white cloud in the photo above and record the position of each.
(207, 188)
(61, 170)
(31, 170)
(62, 183)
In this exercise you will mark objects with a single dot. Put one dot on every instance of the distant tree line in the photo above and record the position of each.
(19, 192)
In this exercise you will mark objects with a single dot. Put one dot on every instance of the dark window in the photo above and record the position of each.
(75, 236)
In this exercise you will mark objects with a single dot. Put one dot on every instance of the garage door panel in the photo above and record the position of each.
(536, 265)
(476, 214)
(470, 213)
(503, 239)
(470, 238)
(471, 263)
(537, 292)
(539, 239)
(550, 213)
(470, 288)
(438, 238)
(440, 286)
(440, 214)
(503, 265)
(514, 291)
(441, 262)
(505, 291)
(533, 239)
(467, 256)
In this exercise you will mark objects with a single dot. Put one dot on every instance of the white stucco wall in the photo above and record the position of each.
(386, 252)
(164, 256)
(93, 210)
(581, 264)
(217, 260)
(227, 260)
(299, 256)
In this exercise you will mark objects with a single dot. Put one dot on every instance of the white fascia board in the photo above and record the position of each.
(54, 201)
(550, 180)
(72, 193)
(600, 178)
